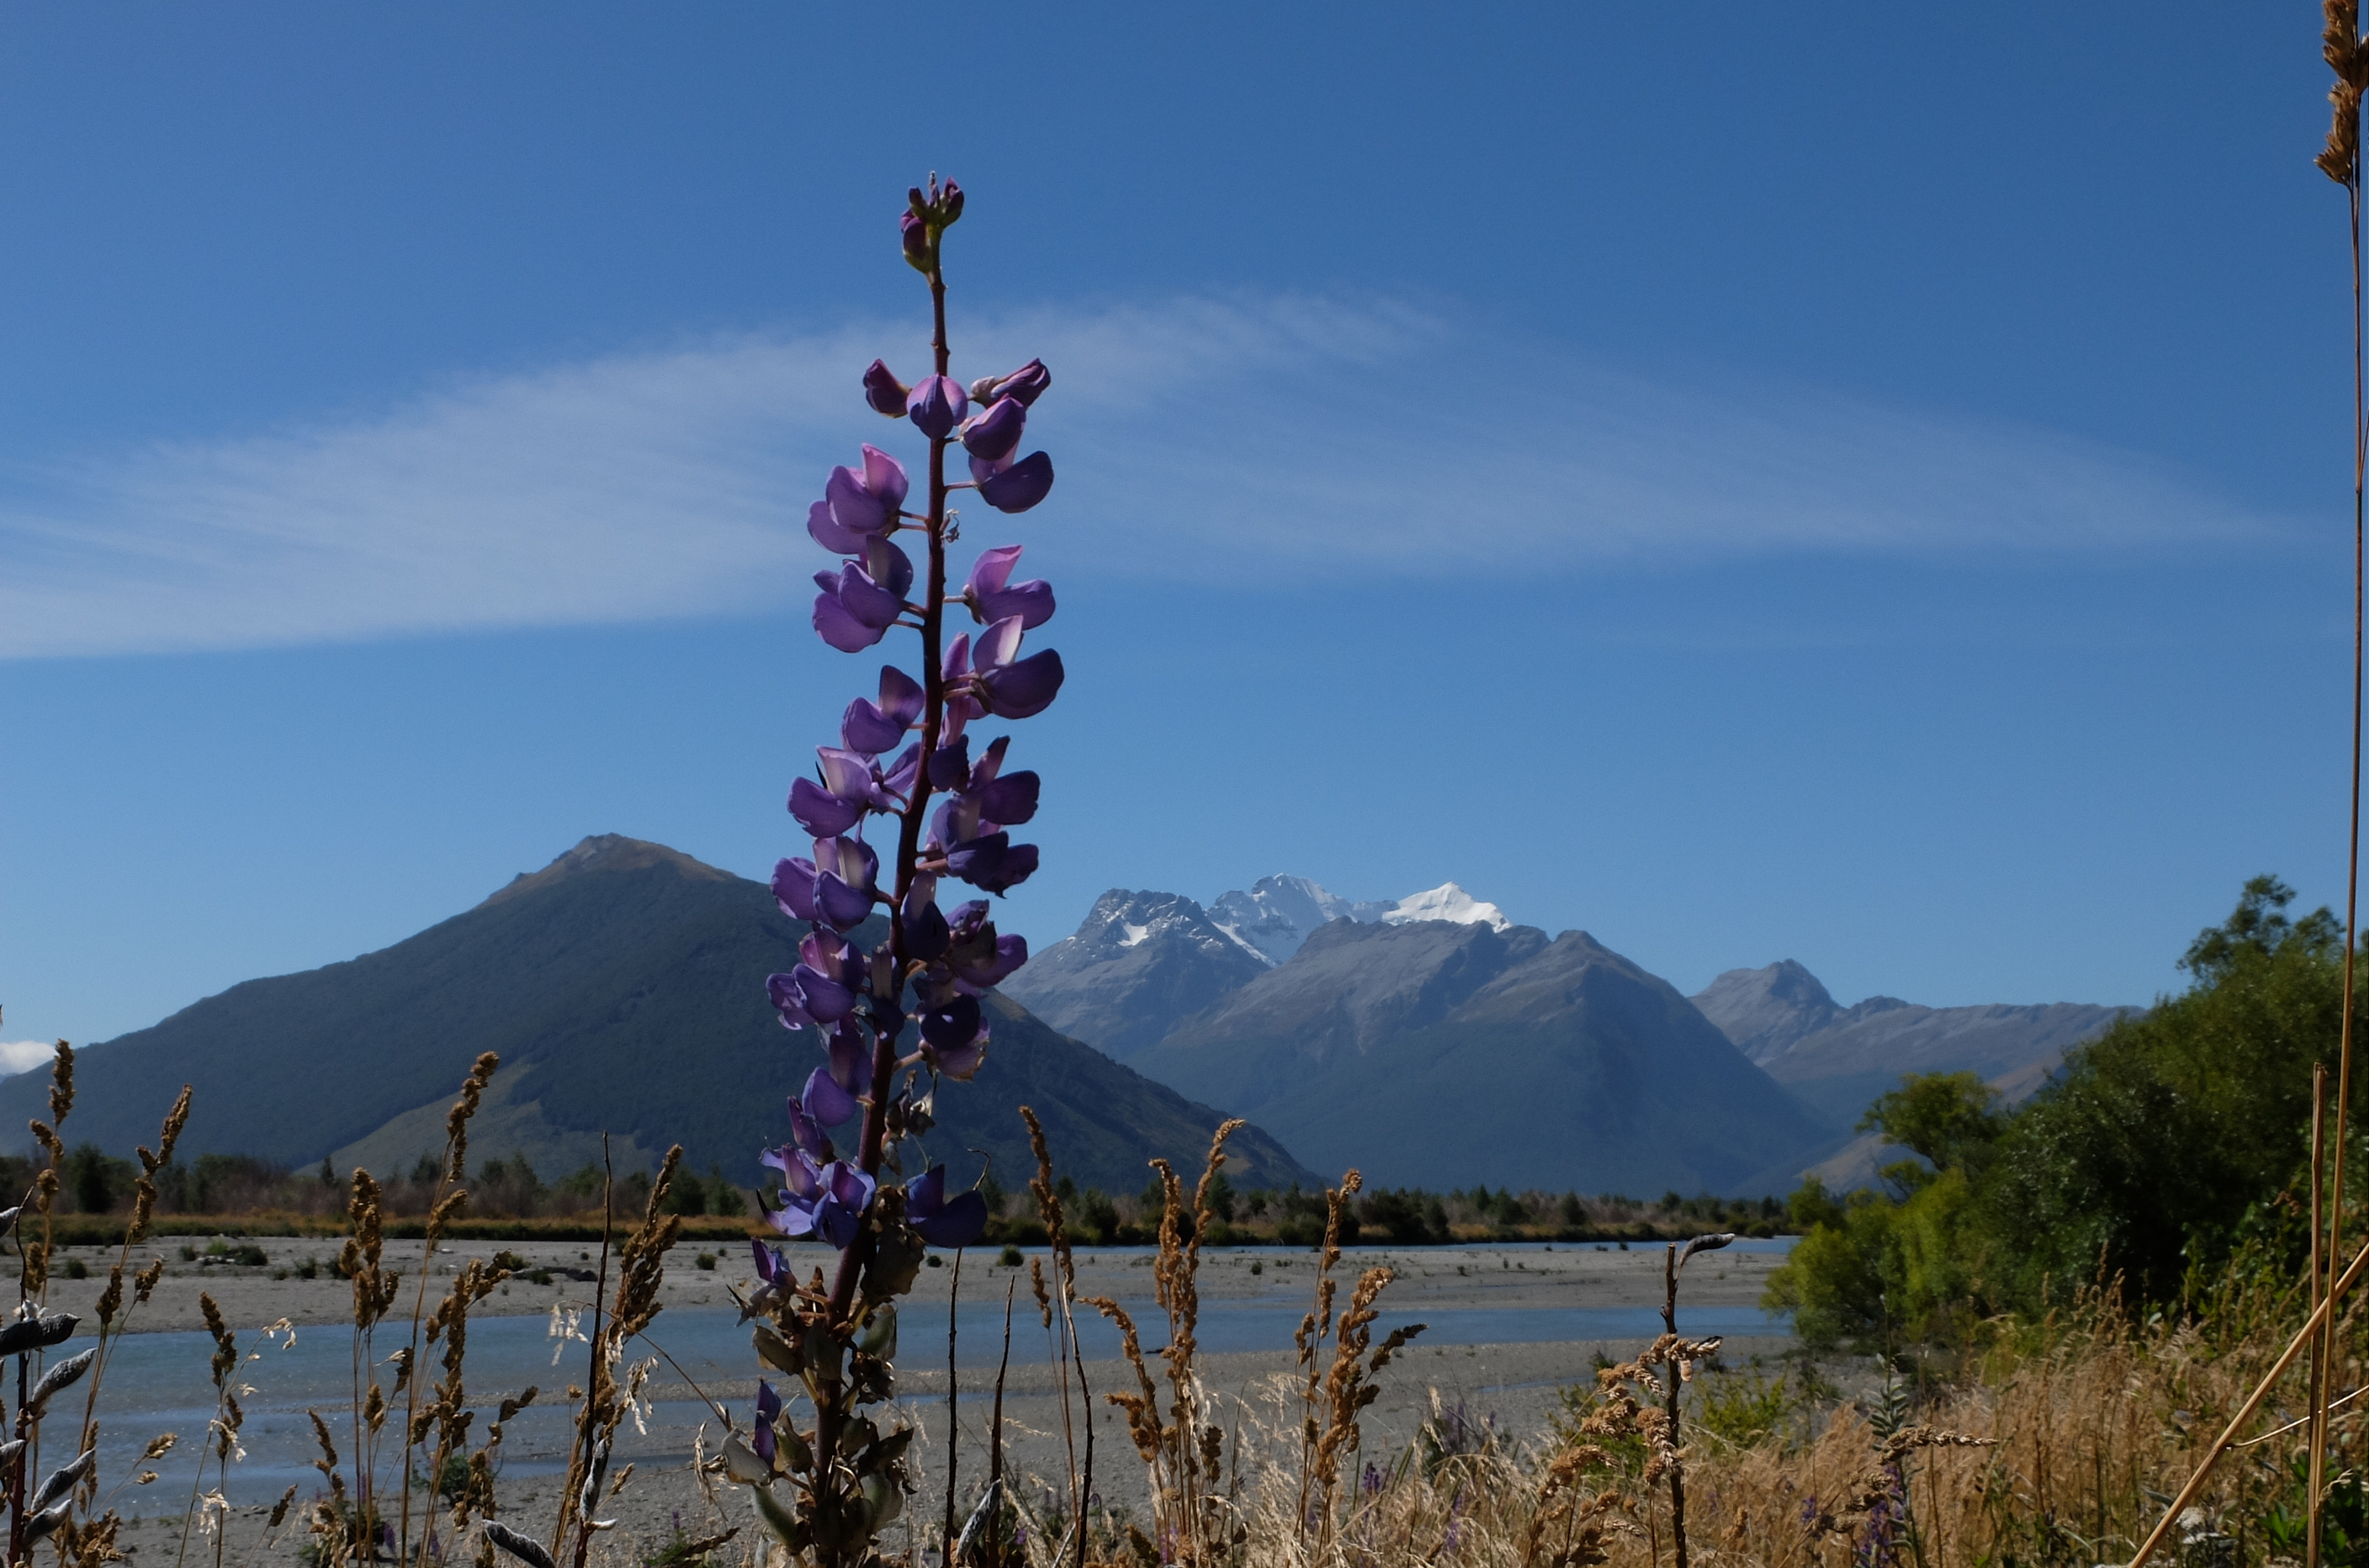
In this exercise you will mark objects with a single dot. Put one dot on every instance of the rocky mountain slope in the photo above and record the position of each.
(624, 988)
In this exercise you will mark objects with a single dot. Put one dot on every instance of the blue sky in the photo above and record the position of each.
(1802, 486)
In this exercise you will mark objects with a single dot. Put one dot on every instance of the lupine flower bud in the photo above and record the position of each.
(917, 242)
(1023, 386)
(936, 405)
(882, 390)
(994, 434)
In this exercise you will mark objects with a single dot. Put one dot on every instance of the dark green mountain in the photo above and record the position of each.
(1436, 1053)
(624, 988)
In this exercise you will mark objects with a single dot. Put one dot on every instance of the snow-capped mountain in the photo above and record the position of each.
(1141, 963)
(1137, 963)
(1277, 914)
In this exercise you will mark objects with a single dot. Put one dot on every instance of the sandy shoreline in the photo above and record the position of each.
(1508, 1388)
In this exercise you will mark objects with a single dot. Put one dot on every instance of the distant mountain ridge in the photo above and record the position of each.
(1439, 1053)
(624, 988)
(1840, 1058)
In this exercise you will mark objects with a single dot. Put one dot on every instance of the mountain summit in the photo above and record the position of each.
(1279, 912)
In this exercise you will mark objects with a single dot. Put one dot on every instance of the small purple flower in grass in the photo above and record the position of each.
(993, 434)
(1013, 487)
(993, 596)
(937, 404)
(943, 1221)
(769, 1409)
(884, 391)
(1023, 386)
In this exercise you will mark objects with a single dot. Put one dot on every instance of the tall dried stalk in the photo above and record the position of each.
(2341, 46)
(1182, 1453)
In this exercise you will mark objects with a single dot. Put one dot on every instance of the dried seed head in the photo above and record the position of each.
(61, 1091)
(2341, 46)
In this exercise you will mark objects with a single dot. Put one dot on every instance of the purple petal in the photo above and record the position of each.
(990, 763)
(853, 505)
(822, 813)
(823, 997)
(992, 569)
(826, 1101)
(925, 1193)
(798, 1219)
(794, 887)
(961, 1064)
(994, 434)
(843, 906)
(957, 662)
(904, 770)
(976, 859)
(1020, 486)
(812, 1145)
(1026, 689)
(849, 1186)
(964, 1219)
(866, 600)
(847, 775)
(1025, 385)
(955, 1024)
(889, 566)
(950, 765)
(997, 645)
(1030, 601)
(840, 630)
(926, 937)
(884, 476)
(882, 390)
(768, 1404)
(938, 403)
(783, 991)
(983, 973)
(762, 1439)
(864, 727)
(771, 1264)
(900, 695)
(827, 532)
(1010, 801)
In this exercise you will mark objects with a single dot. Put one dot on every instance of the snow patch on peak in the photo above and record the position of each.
(1134, 933)
(1276, 915)
(1446, 902)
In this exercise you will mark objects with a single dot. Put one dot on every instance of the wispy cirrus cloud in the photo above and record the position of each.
(1371, 436)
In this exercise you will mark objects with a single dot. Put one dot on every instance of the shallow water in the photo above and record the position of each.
(158, 1381)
